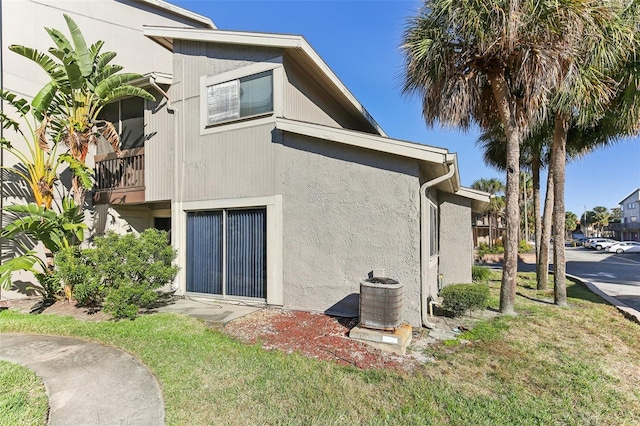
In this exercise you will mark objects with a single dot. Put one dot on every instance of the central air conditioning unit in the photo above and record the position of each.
(381, 303)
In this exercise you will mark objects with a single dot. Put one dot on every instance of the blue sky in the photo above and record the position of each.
(359, 40)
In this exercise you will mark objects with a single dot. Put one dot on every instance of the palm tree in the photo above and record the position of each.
(592, 86)
(82, 82)
(495, 188)
(487, 61)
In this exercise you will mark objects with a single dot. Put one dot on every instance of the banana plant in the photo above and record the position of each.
(56, 231)
(82, 81)
(39, 158)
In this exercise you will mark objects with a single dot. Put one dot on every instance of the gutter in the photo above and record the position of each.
(425, 294)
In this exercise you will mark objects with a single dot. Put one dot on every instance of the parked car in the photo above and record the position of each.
(579, 241)
(600, 243)
(624, 247)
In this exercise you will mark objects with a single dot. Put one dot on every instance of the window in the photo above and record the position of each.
(226, 252)
(241, 98)
(634, 218)
(127, 115)
(433, 230)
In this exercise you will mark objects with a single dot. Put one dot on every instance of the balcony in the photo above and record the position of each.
(120, 180)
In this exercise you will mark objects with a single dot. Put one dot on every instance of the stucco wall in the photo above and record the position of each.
(456, 242)
(347, 211)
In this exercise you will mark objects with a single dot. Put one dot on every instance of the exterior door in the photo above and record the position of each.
(226, 253)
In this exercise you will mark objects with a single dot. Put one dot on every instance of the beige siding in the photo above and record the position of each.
(159, 150)
(347, 211)
(305, 100)
(233, 164)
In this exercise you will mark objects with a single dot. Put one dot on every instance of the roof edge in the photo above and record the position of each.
(625, 198)
(177, 10)
(366, 140)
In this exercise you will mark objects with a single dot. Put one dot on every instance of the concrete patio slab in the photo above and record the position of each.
(216, 313)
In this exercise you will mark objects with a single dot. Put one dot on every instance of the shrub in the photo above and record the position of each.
(524, 247)
(485, 249)
(480, 274)
(459, 298)
(122, 272)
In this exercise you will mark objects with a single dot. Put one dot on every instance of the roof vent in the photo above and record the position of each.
(381, 303)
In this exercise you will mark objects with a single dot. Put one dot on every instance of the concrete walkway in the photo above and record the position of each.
(88, 383)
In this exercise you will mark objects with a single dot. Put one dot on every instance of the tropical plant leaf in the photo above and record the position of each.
(20, 104)
(106, 72)
(9, 123)
(79, 169)
(83, 55)
(115, 82)
(104, 59)
(60, 40)
(26, 262)
(43, 99)
(42, 59)
(126, 91)
(94, 51)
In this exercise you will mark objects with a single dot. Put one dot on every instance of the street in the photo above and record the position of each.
(618, 275)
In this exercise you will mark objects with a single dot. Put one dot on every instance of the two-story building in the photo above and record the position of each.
(276, 184)
(629, 217)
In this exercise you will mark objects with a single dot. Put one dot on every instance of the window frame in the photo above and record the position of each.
(273, 65)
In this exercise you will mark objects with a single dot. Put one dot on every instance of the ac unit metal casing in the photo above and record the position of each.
(381, 303)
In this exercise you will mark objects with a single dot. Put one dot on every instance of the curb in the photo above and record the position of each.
(625, 309)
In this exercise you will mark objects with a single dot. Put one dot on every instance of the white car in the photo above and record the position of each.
(600, 243)
(624, 247)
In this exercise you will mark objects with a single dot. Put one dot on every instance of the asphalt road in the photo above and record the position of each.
(616, 274)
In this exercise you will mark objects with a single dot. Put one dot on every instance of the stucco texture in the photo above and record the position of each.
(456, 242)
(347, 211)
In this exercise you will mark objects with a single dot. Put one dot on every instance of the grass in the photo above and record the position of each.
(548, 365)
(22, 396)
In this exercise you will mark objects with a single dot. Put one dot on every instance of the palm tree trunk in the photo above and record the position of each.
(535, 175)
(507, 112)
(542, 266)
(558, 160)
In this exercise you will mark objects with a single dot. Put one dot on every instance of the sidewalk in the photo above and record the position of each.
(88, 383)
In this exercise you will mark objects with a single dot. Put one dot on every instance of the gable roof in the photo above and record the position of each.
(296, 45)
(177, 10)
(635, 191)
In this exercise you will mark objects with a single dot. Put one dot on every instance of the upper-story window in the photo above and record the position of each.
(127, 115)
(631, 205)
(240, 98)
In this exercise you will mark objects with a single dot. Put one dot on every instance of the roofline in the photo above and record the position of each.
(165, 36)
(625, 198)
(177, 10)
(479, 199)
(367, 140)
(158, 77)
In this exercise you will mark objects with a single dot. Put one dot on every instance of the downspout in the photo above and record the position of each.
(425, 294)
(172, 110)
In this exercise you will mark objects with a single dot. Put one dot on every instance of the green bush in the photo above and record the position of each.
(122, 272)
(480, 274)
(485, 249)
(524, 247)
(459, 298)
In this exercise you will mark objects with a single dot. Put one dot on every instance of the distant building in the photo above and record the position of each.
(629, 213)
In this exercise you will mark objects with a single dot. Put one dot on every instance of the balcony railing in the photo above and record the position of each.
(120, 180)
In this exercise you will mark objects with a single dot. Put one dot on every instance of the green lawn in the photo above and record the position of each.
(22, 396)
(579, 365)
